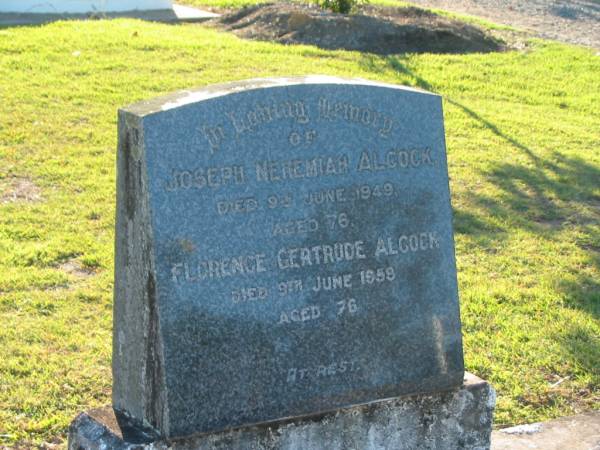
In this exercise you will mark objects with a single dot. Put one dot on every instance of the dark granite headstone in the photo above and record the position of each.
(284, 248)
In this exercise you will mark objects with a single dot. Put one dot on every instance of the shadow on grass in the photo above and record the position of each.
(585, 345)
(542, 196)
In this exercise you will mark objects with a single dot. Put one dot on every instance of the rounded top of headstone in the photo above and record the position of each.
(189, 96)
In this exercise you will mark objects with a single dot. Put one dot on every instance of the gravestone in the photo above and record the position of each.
(284, 248)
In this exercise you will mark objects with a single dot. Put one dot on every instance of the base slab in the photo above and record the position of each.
(459, 419)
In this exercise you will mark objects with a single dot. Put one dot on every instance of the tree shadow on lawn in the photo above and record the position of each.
(543, 196)
(585, 345)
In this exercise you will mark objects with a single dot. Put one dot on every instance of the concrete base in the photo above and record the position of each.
(459, 419)
(179, 14)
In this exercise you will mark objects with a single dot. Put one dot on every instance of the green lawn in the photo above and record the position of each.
(524, 155)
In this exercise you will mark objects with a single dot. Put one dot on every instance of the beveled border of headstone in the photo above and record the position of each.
(168, 370)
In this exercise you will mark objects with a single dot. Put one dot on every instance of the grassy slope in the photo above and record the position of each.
(524, 159)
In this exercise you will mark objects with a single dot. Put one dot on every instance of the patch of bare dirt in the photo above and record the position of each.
(20, 190)
(74, 267)
(550, 224)
(373, 29)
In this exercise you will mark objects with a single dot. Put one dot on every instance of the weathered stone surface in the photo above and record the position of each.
(284, 248)
(458, 419)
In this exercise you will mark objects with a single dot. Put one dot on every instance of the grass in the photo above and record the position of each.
(524, 160)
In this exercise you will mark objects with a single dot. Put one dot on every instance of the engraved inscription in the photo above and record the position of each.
(219, 268)
(367, 191)
(273, 170)
(377, 276)
(210, 177)
(407, 243)
(324, 196)
(290, 287)
(247, 121)
(238, 205)
(297, 257)
(394, 159)
(331, 110)
(214, 135)
(291, 258)
(296, 374)
(247, 294)
(291, 227)
(333, 282)
(347, 306)
(300, 315)
(297, 138)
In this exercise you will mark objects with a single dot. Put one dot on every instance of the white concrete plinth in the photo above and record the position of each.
(81, 6)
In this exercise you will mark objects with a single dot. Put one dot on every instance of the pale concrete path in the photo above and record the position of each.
(179, 14)
(568, 433)
(572, 21)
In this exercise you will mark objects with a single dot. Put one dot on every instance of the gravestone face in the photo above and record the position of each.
(284, 247)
